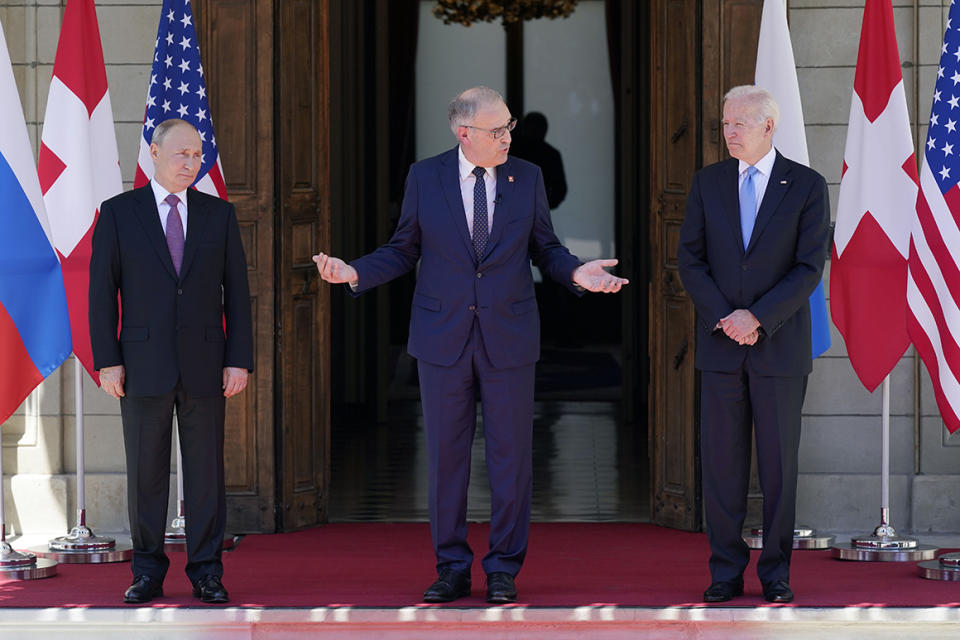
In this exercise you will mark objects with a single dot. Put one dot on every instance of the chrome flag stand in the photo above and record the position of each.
(804, 537)
(18, 565)
(81, 546)
(884, 545)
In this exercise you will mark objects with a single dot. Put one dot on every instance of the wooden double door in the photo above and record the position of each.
(270, 66)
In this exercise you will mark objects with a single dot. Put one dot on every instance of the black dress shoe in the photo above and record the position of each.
(721, 591)
(448, 587)
(501, 588)
(778, 592)
(143, 589)
(210, 590)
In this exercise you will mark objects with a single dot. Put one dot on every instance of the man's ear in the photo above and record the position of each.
(463, 134)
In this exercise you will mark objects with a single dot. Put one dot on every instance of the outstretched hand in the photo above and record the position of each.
(335, 270)
(592, 277)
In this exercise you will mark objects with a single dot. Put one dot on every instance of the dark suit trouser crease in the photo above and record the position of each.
(448, 396)
(730, 404)
(147, 424)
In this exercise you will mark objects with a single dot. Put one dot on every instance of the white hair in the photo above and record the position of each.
(762, 99)
(463, 109)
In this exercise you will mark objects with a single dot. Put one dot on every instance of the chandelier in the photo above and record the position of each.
(466, 12)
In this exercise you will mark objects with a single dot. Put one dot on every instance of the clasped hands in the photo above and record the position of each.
(113, 378)
(741, 326)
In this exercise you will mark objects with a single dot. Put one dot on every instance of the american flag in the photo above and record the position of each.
(933, 283)
(177, 90)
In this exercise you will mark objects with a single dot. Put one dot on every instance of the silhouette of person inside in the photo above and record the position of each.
(530, 144)
(560, 318)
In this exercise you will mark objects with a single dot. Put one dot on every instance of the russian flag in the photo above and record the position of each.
(34, 321)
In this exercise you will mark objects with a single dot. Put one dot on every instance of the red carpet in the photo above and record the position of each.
(389, 565)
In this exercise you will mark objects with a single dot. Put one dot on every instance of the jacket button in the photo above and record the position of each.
(472, 307)
(179, 292)
(745, 267)
(479, 275)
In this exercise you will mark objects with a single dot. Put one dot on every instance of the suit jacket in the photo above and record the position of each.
(188, 327)
(453, 288)
(772, 277)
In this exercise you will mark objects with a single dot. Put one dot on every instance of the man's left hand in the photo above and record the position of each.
(739, 325)
(592, 277)
(234, 381)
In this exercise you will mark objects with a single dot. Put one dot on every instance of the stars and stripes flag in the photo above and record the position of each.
(177, 90)
(777, 73)
(78, 165)
(933, 282)
(875, 210)
(34, 321)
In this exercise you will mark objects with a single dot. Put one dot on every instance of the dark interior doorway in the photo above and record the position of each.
(590, 454)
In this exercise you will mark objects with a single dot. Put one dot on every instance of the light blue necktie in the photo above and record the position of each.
(748, 206)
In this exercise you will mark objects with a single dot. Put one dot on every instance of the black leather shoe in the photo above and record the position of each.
(143, 589)
(724, 590)
(448, 587)
(778, 592)
(501, 588)
(210, 590)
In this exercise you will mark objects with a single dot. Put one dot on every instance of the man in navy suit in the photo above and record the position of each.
(174, 256)
(475, 219)
(752, 248)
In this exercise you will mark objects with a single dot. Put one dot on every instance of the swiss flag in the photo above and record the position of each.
(876, 208)
(78, 165)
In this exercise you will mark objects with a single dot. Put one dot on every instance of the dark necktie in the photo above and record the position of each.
(748, 206)
(174, 232)
(480, 230)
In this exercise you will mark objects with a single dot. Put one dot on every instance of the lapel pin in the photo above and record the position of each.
(509, 178)
(783, 182)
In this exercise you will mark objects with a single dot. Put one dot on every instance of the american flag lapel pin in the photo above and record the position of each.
(509, 178)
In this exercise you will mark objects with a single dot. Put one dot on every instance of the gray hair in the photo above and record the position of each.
(463, 109)
(165, 127)
(762, 99)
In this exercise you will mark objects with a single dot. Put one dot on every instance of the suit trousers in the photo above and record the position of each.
(448, 397)
(730, 404)
(147, 432)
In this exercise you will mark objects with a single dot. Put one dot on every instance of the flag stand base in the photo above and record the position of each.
(804, 538)
(947, 567)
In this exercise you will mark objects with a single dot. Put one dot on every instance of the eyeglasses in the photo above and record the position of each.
(499, 131)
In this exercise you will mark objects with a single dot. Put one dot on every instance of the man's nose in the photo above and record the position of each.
(507, 137)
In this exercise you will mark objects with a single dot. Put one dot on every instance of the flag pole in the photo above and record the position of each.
(175, 539)
(81, 545)
(884, 545)
(19, 565)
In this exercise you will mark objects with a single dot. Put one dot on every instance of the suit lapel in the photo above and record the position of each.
(730, 195)
(149, 217)
(196, 224)
(777, 186)
(450, 183)
(502, 202)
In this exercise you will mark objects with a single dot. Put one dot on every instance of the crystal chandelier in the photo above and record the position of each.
(466, 12)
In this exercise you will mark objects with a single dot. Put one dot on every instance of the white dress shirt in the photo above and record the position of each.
(468, 181)
(164, 209)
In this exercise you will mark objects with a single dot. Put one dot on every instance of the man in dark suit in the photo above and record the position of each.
(751, 252)
(174, 256)
(475, 218)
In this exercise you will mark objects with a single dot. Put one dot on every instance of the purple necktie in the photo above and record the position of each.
(480, 225)
(174, 232)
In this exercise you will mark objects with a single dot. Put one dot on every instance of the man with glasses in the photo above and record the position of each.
(475, 219)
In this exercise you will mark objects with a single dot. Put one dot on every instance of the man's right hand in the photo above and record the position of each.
(111, 380)
(335, 270)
